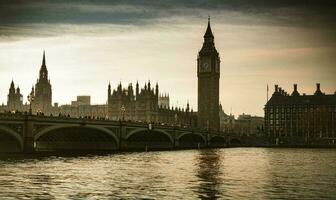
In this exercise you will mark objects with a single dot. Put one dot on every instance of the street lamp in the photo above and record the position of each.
(123, 110)
(150, 127)
(30, 99)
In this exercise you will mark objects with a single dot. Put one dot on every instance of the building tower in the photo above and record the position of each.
(208, 73)
(43, 93)
(14, 98)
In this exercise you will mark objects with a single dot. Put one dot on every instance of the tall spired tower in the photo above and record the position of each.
(208, 73)
(43, 93)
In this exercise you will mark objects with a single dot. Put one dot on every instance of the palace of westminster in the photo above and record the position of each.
(294, 115)
(134, 103)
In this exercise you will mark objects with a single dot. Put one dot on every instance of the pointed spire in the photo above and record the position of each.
(12, 83)
(43, 60)
(43, 70)
(157, 89)
(208, 32)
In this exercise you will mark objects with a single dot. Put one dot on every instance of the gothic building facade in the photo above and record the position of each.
(208, 73)
(139, 104)
(42, 94)
(142, 105)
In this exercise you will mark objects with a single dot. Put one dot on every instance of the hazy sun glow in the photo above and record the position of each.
(83, 57)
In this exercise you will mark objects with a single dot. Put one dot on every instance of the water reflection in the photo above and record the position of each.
(209, 174)
(232, 173)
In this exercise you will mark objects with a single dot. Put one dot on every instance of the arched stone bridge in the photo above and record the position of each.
(28, 133)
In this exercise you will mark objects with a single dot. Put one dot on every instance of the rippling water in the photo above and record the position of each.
(231, 173)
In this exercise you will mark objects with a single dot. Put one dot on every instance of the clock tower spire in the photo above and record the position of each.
(208, 73)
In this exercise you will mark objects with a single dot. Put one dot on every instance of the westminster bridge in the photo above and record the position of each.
(31, 133)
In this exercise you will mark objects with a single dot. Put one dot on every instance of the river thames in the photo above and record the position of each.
(229, 173)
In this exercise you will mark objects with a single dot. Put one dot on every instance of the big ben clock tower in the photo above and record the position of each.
(208, 73)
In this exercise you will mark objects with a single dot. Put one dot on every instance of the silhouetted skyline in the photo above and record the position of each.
(89, 44)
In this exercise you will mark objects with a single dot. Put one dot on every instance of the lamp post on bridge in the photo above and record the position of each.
(123, 110)
(30, 99)
(175, 122)
(150, 127)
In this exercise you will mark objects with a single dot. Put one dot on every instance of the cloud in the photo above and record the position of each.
(20, 18)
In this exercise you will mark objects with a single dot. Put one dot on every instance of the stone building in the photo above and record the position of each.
(301, 117)
(14, 99)
(145, 104)
(208, 73)
(226, 122)
(248, 125)
(164, 100)
(81, 108)
(142, 105)
(82, 100)
(42, 93)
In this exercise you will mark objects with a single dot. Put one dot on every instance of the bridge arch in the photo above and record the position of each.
(153, 130)
(142, 138)
(191, 140)
(88, 137)
(190, 133)
(18, 139)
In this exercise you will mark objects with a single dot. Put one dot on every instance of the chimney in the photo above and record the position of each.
(318, 89)
(276, 88)
(295, 91)
(280, 90)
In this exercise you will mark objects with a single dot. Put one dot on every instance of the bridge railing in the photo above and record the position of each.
(177, 127)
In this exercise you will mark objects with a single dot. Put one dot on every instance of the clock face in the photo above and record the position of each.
(205, 67)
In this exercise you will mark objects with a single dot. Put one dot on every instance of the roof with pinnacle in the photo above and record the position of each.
(208, 32)
(43, 66)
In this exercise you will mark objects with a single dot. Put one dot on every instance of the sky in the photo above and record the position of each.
(90, 43)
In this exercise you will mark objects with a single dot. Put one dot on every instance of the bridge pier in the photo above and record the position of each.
(28, 135)
(122, 137)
